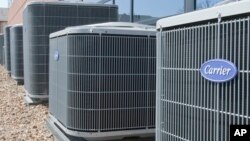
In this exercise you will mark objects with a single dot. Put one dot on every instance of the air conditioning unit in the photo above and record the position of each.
(16, 51)
(102, 80)
(203, 73)
(1, 49)
(43, 18)
(7, 48)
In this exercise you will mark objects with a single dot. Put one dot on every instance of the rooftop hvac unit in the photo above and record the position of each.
(7, 48)
(43, 18)
(203, 73)
(1, 49)
(102, 80)
(3, 54)
(16, 51)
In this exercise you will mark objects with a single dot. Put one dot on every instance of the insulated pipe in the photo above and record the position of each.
(189, 5)
(131, 11)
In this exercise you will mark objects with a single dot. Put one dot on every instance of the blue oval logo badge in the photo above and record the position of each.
(56, 55)
(218, 70)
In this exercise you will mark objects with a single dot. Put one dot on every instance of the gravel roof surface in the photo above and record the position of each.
(19, 122)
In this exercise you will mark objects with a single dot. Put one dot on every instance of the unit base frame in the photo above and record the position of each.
(65, 134)
(35, 99)
(19, 80)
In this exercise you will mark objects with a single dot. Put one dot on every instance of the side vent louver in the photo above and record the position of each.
(102, 80)
(195, 102)
(1, 49)
(43, 18)
(7, 48)
(16, 51)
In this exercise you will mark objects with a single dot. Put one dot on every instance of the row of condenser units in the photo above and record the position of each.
(189, 77)
(98, 74)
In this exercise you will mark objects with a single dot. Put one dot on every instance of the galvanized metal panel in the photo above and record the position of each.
(41, 19)
(1, 49)
(16, 51)
(190, 107)
(103, 82)
(7, 48)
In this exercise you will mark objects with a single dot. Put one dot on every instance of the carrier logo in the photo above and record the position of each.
(218, 70)
(56, 55)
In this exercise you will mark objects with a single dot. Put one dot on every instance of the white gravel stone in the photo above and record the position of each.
(19, 122)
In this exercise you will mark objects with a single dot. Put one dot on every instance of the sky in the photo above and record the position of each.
(151, 7)
(3, 3)
(156, 8)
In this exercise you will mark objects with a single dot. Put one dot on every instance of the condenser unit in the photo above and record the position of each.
(16, 51)
(203, 73)
(1, 49)
(7, 48)
(102, 80)
(43, 18)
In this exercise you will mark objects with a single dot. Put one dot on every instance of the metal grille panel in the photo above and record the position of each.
(189, 106)
(7, 48)
(41, 19)
(16, 51)
(1, 49)
(103, 82)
